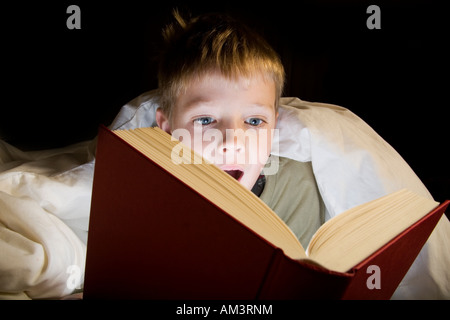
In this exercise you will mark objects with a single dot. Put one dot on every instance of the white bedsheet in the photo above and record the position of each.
(45, 197)
(44, 211)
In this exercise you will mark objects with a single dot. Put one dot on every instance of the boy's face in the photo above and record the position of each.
(230, 123)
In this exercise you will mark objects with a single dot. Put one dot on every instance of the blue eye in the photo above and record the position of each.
(204, 121)
(254, 121)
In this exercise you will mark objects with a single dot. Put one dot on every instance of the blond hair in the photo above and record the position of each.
(208, 43)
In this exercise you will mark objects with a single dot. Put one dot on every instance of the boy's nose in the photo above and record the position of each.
(231, 144)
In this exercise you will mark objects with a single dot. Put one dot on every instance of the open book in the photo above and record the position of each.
(182, 205)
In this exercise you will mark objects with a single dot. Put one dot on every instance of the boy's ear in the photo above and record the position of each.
(162, 120)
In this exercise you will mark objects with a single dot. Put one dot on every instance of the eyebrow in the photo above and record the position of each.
(199, 101)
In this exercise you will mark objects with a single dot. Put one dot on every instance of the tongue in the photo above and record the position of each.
(234, 173)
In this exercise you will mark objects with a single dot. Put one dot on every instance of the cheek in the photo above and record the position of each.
(261, 147)
(185, 136)
(207, 142)
(251, 175)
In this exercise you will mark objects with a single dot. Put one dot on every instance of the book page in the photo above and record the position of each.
(349, 238)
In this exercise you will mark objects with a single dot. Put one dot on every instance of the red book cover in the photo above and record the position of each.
(393, 259)
(151, 236)
(290, 278)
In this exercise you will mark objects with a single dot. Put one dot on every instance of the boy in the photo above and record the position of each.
(215, 75)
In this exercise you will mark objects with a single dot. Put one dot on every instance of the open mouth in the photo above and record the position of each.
(237, 174)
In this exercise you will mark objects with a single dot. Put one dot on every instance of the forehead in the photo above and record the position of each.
(214, 90)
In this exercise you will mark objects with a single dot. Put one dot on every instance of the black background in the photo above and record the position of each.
(58, 84)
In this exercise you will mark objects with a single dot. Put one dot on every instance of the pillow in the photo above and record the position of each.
(351, 162)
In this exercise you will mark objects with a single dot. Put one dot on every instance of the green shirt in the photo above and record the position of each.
(293, 195)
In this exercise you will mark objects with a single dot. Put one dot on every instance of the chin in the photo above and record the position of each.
(249, 182)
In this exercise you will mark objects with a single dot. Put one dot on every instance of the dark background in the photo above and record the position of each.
(58, 84)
